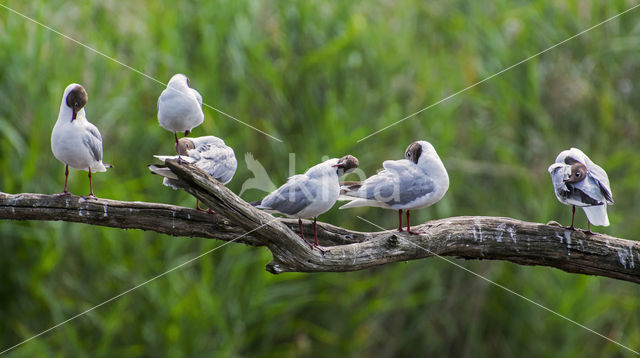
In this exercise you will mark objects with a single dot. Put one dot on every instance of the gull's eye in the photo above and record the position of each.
(578, 175)
(408, 155)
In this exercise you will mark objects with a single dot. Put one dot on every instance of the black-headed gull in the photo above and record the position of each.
(74, 141)
(577, 181)
(180, 106)
(416, 182)
(208, 153)
(310, 194)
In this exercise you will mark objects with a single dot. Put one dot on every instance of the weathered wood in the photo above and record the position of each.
(162, 218)
(488, 238)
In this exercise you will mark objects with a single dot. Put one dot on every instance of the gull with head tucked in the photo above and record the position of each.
(577, 181)
(180, 107)
(74, 141)
(416, 182)
(310, 194)
(208, 153)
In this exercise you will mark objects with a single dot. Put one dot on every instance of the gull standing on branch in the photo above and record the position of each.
(310, 194)
(209, 153)
(74, 141)
(180, 107)
(577, 181)
(416, 182)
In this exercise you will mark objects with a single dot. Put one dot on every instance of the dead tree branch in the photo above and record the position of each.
(487, 238)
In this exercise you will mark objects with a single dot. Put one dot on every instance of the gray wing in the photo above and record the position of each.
(214, 157)
(600, 176)
(396, 188)
(590, 191)
(218, 162)
(93, 141)
(291, 198)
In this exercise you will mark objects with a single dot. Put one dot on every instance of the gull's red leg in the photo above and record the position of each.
(66, 178)
(175, 135)
(315, 234)
(573, 216)
(589, 227)
(302, 234)
(400, 220)
(91, 195)
(409, 226)
(210, 211)
(315, 230)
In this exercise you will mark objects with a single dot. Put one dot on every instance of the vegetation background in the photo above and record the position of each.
(319, 75)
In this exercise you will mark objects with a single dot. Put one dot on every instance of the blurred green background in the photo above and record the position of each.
(320, 75)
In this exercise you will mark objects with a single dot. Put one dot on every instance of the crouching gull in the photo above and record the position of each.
(416, 182)
(577, 181)
(310, 194)
(74, 141)
(208, 153)
(180, 107)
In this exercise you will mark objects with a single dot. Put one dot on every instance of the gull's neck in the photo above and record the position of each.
(65, 114)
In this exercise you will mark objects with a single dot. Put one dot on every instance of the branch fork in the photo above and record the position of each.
(467, 237)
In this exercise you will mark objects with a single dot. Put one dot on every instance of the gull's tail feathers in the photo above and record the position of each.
(356, 202)
(597, 215)
(170, 178)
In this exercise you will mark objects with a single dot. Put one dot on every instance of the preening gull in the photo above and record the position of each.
(577, 181)
(180, 106)
(208, 153)
(416, 182)
(310, 194)
(74, 140)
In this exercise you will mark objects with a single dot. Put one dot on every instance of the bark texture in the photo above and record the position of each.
(478, 237)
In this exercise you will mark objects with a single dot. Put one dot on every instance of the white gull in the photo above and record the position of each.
(74, 140)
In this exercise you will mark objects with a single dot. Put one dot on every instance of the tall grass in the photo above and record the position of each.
(319, 75)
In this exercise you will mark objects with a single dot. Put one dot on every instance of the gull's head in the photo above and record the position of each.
(578, 171)
(185, 145)
(346, 164)
(76, 98)
(419, 149)
(179, 80)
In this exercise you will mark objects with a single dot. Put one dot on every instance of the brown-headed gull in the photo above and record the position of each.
(309, 194)
(577, 181)
(208, 153)
(74, 141)
(180, 107)
(416, 182)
